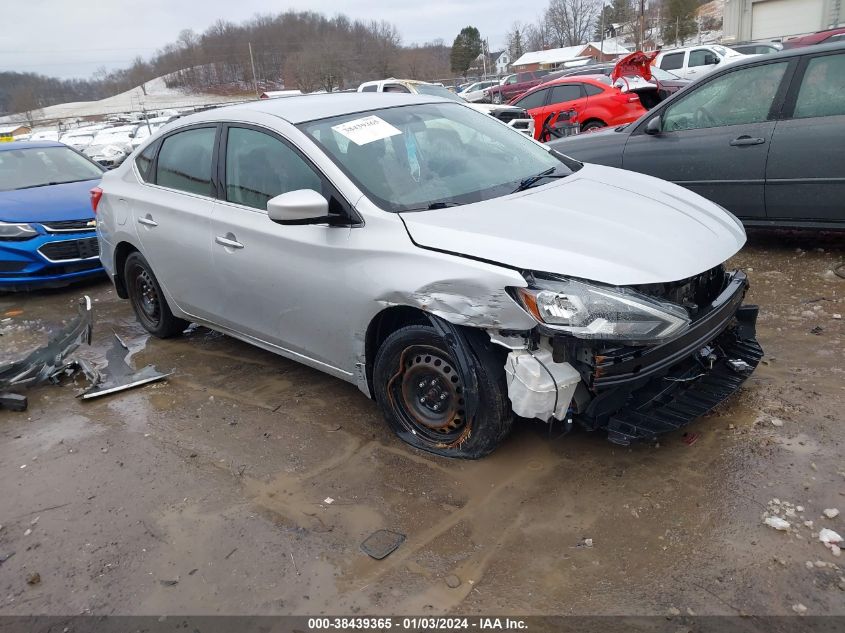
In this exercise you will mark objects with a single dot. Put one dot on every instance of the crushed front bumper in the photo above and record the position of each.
(639, 393)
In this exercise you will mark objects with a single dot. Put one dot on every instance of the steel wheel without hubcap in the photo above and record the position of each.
(147, 298)
(426, 395)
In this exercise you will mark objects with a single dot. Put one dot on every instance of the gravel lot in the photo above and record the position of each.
(205, 494)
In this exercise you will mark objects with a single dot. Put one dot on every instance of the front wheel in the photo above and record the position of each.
(148, 300)
(422, 392)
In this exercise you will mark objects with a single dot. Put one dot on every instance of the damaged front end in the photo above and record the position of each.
(648, 359)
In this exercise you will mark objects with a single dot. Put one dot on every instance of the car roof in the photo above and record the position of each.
(29, 145)
(597, 79)
(788, 53)
(299, 109)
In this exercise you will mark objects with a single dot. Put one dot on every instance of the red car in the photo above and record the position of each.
(593, 98)
(821, 37)
(514, 85)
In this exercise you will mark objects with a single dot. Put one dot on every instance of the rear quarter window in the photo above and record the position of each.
(145, 161)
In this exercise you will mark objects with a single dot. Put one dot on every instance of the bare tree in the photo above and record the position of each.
(537, 36)
(24, 101)
(571, 22)
(516, 40)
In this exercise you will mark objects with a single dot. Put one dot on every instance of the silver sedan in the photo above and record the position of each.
(456, 271)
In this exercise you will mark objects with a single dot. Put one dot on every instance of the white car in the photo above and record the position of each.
(453, 269)
(517, 118)
(111, 146)
(695, 61)
(475, 92)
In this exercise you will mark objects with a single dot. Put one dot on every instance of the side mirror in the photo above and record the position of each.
(654, 126)
(303, 206)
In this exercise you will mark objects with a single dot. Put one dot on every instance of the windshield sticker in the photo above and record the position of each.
(366, 130)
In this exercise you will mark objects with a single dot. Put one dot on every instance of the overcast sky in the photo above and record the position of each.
(72, 38)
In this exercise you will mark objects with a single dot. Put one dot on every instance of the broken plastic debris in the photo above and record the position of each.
(777, 523)
(799, 608)
(831, 513)
(49, 361)
(777, 422)
(328, 501)
(121, 376)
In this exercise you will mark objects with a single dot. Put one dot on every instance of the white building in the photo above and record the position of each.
(775, 19)
(502, 61)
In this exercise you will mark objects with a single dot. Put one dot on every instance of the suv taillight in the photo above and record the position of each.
(96, 194)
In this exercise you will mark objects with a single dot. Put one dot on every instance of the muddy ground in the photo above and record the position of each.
(205, 494)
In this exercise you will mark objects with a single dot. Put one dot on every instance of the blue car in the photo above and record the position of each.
(47, 227)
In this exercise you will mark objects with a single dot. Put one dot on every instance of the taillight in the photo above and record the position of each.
(96, 194)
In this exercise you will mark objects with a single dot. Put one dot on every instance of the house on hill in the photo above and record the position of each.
(569, 55)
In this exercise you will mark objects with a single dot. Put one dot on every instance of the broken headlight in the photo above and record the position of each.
(591, 311)
(16, 231)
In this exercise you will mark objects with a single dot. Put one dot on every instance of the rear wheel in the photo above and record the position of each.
(497, 98)
(422, 393)
(589, 126)
(148, 300)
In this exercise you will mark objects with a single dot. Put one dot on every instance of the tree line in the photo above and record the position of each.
(573, 22)
(304, 50)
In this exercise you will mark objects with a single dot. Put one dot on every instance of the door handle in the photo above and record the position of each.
(147, 221)
(744, 140)
(225, 241)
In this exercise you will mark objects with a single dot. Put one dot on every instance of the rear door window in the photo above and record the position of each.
(184, 162)
(672, 61)
(822, 90)
(566, 92)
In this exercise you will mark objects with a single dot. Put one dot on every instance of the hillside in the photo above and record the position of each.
(154, 95)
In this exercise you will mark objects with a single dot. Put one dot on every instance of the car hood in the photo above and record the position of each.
(70, 201)
(601, 224)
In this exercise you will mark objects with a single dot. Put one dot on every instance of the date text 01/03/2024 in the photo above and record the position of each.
(417, 623)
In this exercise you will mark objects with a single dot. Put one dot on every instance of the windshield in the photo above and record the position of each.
(39, 166)
(437, 154)
(437, 91)
(663, 75)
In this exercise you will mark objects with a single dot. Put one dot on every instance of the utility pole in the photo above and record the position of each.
(601, 49)
(642, 23)
(252, 63)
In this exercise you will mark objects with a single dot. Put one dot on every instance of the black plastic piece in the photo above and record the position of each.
(671, 402)
(13, 402)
